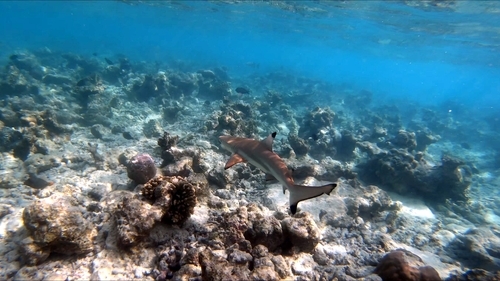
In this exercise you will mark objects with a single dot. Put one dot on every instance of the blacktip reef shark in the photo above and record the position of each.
(261, 155)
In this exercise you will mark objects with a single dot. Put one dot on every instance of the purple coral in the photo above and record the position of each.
(141, 168)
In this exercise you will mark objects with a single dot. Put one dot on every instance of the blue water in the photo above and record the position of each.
(427, 55)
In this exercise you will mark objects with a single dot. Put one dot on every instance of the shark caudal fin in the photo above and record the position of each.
(301, 192)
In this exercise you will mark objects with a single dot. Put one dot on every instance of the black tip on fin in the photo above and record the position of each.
(273, 135)
(334, 186)
(293, 209)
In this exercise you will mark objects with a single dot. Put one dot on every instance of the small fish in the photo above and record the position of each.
(242, 90)
(261, 155)
(108, 61)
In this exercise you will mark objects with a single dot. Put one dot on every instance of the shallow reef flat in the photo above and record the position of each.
(112, 169)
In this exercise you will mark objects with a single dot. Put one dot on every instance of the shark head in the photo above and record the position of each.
(225, 143)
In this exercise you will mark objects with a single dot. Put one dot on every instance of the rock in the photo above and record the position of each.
(97, 131)
(406, 140)
(188, 272)
(181, 84)
(169, 261)
(475, 274)
(29, 63)
(345, 146)
(239, 257)
(56, 225)
(316, 120)
(86, 89)
(32, 253)
(233, 118)
(134, 218)
(37, 181)
(16, 84)
(166, 143)
(13, 140)
(152, 129)
(401, 171)
(12, 170)
(320, 256)
(264, 269)
(39, 163)
(51, 123)
(304, 266)
(477, 248)
(281, 266)
(216, 267)
(141, 168)
(214, 89)
(124, 157)
(424, 139)
(302, 231)
(150, 87)
(299, 146)
(128, 135)
(263, 230)
(9, 118)
(181, 168)
(98, 191)
(402, 265)
(5, 210)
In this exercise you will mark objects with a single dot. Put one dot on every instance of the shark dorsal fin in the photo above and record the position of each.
(235, 159)
(268, 142)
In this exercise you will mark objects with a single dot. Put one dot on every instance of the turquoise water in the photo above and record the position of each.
(427, 54)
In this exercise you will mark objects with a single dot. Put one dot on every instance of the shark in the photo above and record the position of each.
(260, 154)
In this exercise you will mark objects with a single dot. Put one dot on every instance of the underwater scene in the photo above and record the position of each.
(250, 140)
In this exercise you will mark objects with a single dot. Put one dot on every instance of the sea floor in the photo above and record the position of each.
(68, 210)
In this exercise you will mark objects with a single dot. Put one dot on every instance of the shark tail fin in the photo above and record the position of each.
(301, 192)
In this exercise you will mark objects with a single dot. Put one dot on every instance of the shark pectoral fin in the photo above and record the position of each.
(301, 192)
(235, 159)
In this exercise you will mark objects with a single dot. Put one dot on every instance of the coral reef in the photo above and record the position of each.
(56, 225)
(234, 118)
(150, 87)
(403, 172)
(166, 143)
(35, 165)
(15, 141)
(299, 146)
(402, 265)
(406, 140)
(477, 248)
(302, 232)
(316, 120)
(15, 83)
(174, 195)
(67, 122)
(211, 86)
(134, 219)
(86, 88)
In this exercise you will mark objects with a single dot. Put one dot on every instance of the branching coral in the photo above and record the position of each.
(175, 195)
